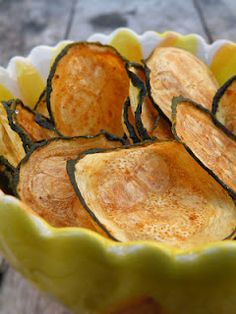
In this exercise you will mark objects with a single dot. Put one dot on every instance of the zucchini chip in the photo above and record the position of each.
(41, 105)
(207, 140)
(173, 72)
(24, 118)
(154, 191)
(43, 184)
(86, 90)
(12, 147)
(224, 105)
(146, 114)
(129, 123)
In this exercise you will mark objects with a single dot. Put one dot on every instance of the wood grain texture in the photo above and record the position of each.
(17, 296)
(159, 15)
(219, 17)
(25, 24)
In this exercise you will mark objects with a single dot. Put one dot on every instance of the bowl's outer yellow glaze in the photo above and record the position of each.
(89, 273)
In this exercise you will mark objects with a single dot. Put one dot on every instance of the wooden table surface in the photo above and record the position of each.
(27, 23)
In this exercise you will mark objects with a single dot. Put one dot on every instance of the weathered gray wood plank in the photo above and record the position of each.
(219, 17)
(27, 23)
(17, 296)
(160, 15)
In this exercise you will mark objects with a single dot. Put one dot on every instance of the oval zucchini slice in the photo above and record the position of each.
(12, 147)
(208, 141)
(129, 123)
(43, 184)
(24, 118)
(86, 90)
(224, 105)
(172, 72)
(41, 105)
(149, 122)
(154, 191)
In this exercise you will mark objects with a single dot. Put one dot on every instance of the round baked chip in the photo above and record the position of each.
(43, 184)
(86, 90)
(172, 72)
(208, 141)
(155, 192)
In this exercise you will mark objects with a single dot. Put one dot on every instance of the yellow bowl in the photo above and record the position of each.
(91, 274)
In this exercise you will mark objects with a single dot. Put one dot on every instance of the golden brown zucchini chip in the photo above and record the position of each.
(129, 123)
(153, 191)
(43, 184)
(150, 123)
(224, 105)
(172, 72)
(41, 105)
(24, 119)
(12, 148)
(208, 141)
(86, 89)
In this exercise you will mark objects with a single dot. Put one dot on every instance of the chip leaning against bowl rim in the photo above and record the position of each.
(91, 274)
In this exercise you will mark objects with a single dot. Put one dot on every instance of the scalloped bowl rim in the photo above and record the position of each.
(141, 37)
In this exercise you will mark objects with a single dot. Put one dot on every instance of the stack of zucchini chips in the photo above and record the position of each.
(130, 151)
